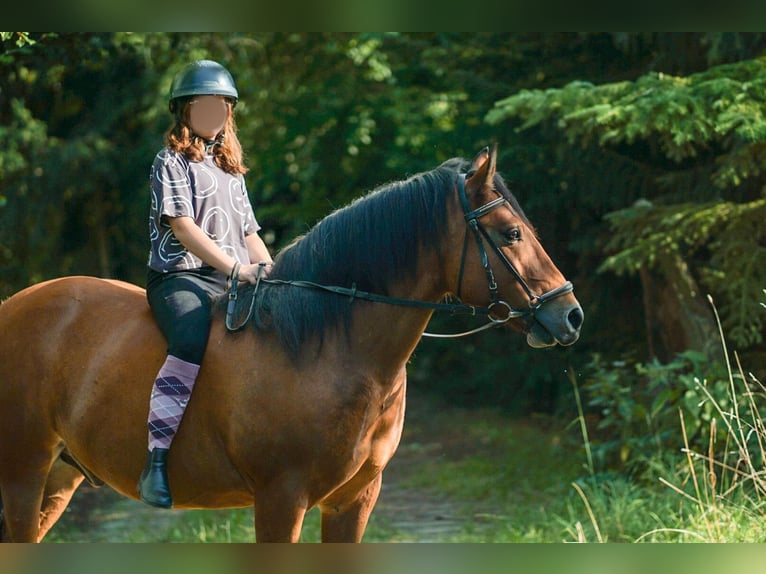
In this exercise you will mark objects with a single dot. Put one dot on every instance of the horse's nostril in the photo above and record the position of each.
(575, 317)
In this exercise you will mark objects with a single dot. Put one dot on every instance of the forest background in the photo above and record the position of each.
(638, 156)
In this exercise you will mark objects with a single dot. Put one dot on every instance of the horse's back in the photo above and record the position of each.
(35, 304)
(64, 314)
(65, 346)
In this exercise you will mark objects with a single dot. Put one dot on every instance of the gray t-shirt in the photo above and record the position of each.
(216, 200)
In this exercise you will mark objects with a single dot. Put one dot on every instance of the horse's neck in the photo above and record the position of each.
(385, 335)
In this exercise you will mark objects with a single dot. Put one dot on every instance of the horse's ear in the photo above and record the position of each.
(480, 159)
(482, 169)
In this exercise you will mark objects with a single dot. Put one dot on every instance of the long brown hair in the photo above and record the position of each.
(227, 154)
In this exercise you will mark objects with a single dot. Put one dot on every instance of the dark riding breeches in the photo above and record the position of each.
(182, 304)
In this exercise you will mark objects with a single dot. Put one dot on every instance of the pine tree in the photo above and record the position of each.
(695, 147)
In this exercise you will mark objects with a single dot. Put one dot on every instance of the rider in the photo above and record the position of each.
(203, 232)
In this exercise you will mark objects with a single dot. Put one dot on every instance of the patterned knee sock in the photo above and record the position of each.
(170, 394)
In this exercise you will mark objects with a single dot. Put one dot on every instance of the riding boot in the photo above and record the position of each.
(153, 485)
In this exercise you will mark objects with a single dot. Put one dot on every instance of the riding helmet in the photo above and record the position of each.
(202, 78)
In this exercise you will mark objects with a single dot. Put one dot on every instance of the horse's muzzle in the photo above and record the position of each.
(556, 324)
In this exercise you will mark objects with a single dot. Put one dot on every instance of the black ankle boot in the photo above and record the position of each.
(153, 485)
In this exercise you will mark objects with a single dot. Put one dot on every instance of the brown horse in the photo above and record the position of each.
(303, 408)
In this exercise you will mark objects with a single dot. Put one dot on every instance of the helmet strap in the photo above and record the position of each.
(211, 144)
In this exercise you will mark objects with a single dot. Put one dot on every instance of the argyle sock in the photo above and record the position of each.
(170, 394)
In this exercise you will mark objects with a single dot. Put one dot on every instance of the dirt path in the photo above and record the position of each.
(416, 514)
(420, 514)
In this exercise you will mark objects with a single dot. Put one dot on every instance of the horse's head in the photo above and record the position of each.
(504, 265)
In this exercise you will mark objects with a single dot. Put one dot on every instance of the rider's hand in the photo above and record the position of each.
(250, 273)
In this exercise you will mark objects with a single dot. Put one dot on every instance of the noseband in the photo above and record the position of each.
(480, 234)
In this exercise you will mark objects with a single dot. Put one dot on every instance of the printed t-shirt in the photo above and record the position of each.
(217, 202)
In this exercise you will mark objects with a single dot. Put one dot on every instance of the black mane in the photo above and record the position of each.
(371, 242)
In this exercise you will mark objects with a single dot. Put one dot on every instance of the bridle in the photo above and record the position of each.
(480, 234)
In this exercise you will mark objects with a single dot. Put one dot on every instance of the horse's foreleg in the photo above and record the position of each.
(21, 508)
(63, 480)
(347, 522)
(278, 517)
(35, 491)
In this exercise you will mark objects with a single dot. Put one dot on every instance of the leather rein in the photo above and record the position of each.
(480, 234)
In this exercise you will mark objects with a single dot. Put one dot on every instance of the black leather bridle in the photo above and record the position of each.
(480, 234)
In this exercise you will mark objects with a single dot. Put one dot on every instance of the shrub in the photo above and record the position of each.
(636, 408)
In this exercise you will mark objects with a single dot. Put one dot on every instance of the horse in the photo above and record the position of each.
(302, 405)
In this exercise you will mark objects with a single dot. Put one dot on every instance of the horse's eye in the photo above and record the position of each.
(512, 235)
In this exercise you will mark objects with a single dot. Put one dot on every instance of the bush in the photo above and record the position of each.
(636, 408)
(720, 481)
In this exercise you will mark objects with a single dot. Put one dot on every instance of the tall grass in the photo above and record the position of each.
(714, 495)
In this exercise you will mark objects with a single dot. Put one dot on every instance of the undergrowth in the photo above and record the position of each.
(712, 488)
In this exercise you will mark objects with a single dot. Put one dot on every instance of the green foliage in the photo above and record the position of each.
(325, 117)
(717, 475)
(680, 116)
(70, 175)
(726, 242)
(24, 138)
(711, 123)
(700, 139)
(636, 409)
(19, 39)
(492, 368)
(635, 413)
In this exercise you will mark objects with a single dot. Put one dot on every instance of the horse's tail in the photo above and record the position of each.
(2, 520)
(2, 515)
(1, 494)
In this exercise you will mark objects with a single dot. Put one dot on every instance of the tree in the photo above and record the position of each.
(74, 107)
(689, 151)
(325, 117)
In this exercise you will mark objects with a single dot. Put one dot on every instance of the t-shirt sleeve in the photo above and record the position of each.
(171, 185)
(250, 224)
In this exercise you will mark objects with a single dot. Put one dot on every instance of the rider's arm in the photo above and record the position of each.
(195, 240)
(257, 249)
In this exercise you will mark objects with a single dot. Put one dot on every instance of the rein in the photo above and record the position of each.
(480, 234)
(354, 293)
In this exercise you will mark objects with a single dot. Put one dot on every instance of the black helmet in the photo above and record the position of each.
(202, 78)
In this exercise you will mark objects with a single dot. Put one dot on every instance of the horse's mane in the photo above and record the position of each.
(371, 242)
